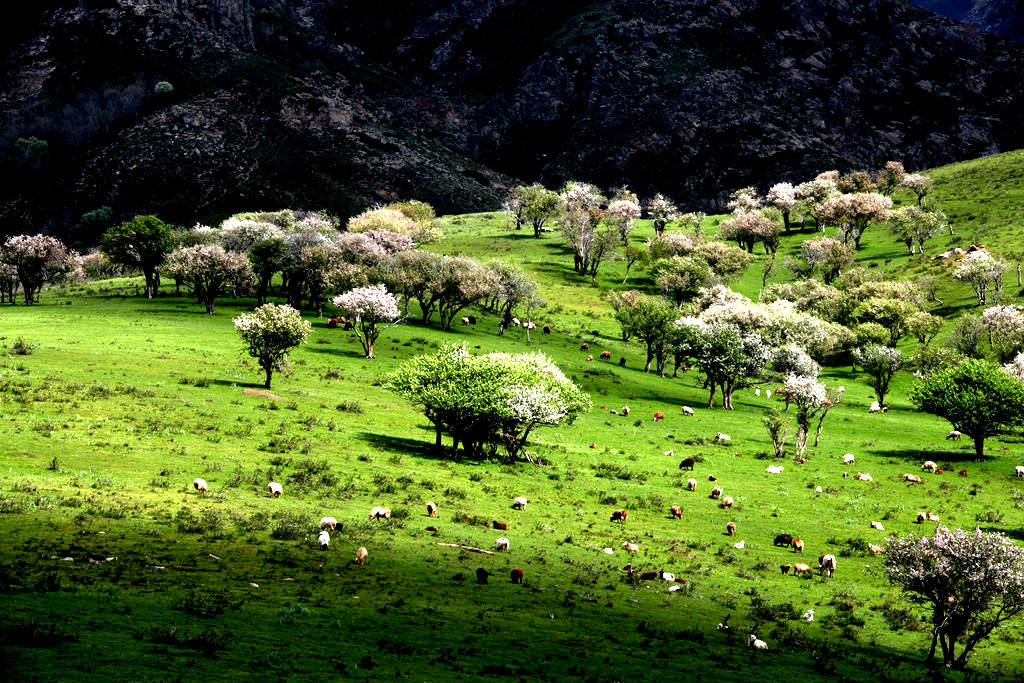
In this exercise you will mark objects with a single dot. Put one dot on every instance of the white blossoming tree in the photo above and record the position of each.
(919, 184)
(207, 269)
(1005, 330)
(269, 333)
(37, 260)
(880, 363)
(662, 212)
(981, 270)
(783, 197)
(969, 581)
(368, 308)
(812, 399)
(853, 213)
(488, 401)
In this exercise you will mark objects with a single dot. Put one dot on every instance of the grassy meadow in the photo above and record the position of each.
(113, 567)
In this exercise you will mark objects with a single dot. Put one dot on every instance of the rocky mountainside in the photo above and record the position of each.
(1004, 18)
(195, 108)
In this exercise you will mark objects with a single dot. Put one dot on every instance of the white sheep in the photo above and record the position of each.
(739, 546)
(757, 644)
(722, 437)
(953, 436)
(328, 523)
(515, 322)
(431, 509)
(768, 393)
(932, 517)
(848, 459)
(670, 452)
(687, 410)
(361, 555)
(860, 476)
(691, 484)
(757, 392)
(874, 408)
(930, 465)
(631, 547)
(275, 489)
(877, 525)
(667, 576)
(501, 544)
(827, 565)
(200, 485)
(808, 616)
(817, 489)
(324, 539)
(1020, 470)
(519, 503)
(380, 512)
(775, 469)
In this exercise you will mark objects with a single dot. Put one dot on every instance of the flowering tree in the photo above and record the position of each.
(143, 242)
(915, 226)
(539, 205)
(266, 258)
(240, 234)
(622, 213)
(814, 193)
(368, 308)
(1015, 368)
(970, 581)
(580, 218)
(269, 333)
(853, 213)
(8, 281)
(207, 269)
(669, 244)
(783, 196)
(488, 401)
(744, 200)
(662, 212)
(919, 184)
(512, 287)
(880, 363)
(692, 221)
(455, 283)
(413, 219)
(924, 326)
(727, 357)
(750, 227)
(791, 359)
(811, 399)
(981, 270)
(726, 261)
(513, 207)
(38, 260)
(407, 274)
(975, 396)
(1005, 330)
(890, 177)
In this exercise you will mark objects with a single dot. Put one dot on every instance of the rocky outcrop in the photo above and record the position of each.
(338, 104)
(1003, 18)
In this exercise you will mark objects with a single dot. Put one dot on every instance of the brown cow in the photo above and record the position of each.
(730, 529)
(798, 545)
(619, 516)
(659, 416)
(500, 526)
(517, 575)
(676, 512)
(687, 464)
(606, 355)
(481, 575)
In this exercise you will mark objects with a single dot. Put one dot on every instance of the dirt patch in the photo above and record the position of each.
(262, 394)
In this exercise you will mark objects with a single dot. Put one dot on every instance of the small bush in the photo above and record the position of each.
(350, 407)
(22, 348)
(289, 527)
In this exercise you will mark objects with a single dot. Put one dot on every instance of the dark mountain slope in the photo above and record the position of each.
(340, 103)
(1004, 18)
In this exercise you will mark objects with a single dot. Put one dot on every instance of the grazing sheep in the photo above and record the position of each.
(200, 485)
(687, 464)
(930, 465)
(716, 492)
(465, 320)
(515, 322)
(501, 544)
(768, 393)
(722, 437)
(676, 512)
(739, 546)
(877, 525)
(808, 616)
(606, 355)
(670, 452)
(324, 539)
(361, 555)
(519, 503)
(589, 358)
(757, 392)
(817, 489)
(431, 509)
(500, 526)
(922, 517)
(726, 502)
(668, 576)
(275, 489)
(861, 476)
(874, 407)
(517, 575)
(622, 362)
(962, 473)
(380, 513)
(784, 540)
(659, 416)
(619, 516)
(848, 459)
(631, 547)
(691, 484)
(481, 576)
(798, 545)
(755, 643)
(912, 478)
(730, 529)
(546, 329)
(885, 409)
(932, 517)
(827, 565)
(584, 347)
(846, 475)
(328, 523)
(712, 477)
(1019, 470)
(954, 436)
(784, 568)
(876, 549)
(625, 411)
(687, 410)
(614, 412)
(800, 568)
(775, 469)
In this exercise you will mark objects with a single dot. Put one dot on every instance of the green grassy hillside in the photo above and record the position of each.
(124, 401)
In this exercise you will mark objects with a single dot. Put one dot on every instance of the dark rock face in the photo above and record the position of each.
(1003, 18)
(338, 104)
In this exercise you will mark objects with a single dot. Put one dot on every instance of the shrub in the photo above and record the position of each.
(22, 348)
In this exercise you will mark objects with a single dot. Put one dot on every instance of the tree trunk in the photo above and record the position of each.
(369, 350)
(150, 282)
(979, 447)
(270, 372)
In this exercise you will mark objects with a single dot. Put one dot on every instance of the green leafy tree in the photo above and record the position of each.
(512, 287)
(270, 332)
(540, 205)
(143, 242)
(892, 314)
(266, 258)
(880, 363)
(727, 357)
(976, 397)
(649, 319)
(681, 277)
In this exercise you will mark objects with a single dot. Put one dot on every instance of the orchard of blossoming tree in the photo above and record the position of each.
(623, 365)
